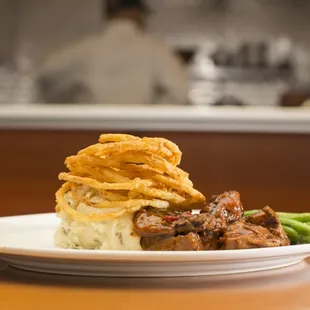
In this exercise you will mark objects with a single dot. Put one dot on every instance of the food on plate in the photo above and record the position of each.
(154, 226)
(218, 226)
(261, 229)
(128, 193)
(110, 181)
(295, 225)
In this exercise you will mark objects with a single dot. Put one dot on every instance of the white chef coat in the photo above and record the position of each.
(121, 65)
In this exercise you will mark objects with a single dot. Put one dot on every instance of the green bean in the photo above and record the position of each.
(250, 212)
(301, 217)
(291, 233)
(303, 239)
(301, 228)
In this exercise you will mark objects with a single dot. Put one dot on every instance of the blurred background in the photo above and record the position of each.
(71, 69)
(243, 52)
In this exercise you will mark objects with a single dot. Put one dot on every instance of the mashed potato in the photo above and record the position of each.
(114, 234)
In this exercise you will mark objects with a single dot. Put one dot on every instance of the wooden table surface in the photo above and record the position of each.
(286, 288)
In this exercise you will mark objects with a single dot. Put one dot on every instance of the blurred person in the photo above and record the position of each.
(122, 64)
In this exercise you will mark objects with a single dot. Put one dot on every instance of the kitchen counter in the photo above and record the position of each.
(159, 118)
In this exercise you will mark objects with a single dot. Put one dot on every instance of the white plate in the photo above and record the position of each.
(26, 242)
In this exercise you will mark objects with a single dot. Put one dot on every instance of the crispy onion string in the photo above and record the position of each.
(122, 174)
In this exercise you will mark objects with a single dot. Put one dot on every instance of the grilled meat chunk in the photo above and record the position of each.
(189, 242)
(210, 240)
(223, 210)
(244, 235)
(219, 225)
(174, 230)
(192, 223)
(269, 219)
(152, 222)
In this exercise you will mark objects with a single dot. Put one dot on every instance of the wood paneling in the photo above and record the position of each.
(266, 168)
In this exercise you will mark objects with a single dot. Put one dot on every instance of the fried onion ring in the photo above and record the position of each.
(122, 174)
